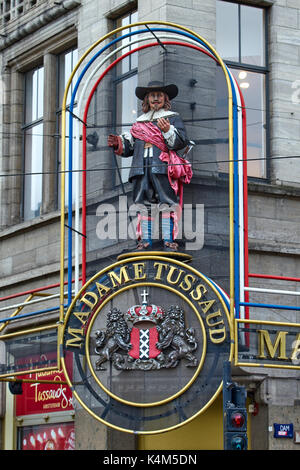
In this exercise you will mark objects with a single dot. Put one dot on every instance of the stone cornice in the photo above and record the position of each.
(50, 14)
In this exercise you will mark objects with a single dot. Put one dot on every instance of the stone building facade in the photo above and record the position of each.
(40, 43)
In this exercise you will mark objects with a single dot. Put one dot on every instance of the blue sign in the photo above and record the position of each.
(284, 430)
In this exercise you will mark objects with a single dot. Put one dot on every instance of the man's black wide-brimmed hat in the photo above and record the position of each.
(170, 90)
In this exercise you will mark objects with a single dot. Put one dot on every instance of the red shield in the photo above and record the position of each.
(144, 343)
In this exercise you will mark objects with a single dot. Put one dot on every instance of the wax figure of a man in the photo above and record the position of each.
(157, 172)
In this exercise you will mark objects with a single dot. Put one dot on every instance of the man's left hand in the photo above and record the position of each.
(163, 124)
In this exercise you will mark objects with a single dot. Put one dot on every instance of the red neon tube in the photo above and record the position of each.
(245, 210)
(245, 201)
(270, 276)
(245, 198)
(32, 291)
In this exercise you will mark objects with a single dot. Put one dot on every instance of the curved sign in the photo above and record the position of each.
(149, 335)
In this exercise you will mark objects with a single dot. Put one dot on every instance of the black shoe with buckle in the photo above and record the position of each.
(171, 246)
(143, 245)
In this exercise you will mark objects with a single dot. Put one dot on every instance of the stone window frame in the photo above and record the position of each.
(45, 54)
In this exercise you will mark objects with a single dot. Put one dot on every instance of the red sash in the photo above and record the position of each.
(179, 169)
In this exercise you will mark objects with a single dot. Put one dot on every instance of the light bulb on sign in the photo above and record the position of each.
(245, 85)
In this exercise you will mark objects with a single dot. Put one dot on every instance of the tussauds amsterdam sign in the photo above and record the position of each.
(148, 335)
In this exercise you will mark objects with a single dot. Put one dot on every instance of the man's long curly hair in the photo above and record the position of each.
(146, 105)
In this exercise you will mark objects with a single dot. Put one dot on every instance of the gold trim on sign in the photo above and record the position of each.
(159, 258)
(172, 255)
(218, 390)
(260, 364)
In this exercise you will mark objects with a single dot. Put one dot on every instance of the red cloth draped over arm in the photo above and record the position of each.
(179, 169)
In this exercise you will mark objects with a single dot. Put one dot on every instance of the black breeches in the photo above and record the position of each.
(152, 188)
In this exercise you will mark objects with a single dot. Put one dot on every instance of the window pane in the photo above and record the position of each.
(124, 66)
(126, 114)
(34, 101)
(252, 35)
(253, 89)
(134, 56)
(67, 62)
(40, 93)
(74, 154)
(227, 31)
(130, 62)
(33, 164)
(33, 139)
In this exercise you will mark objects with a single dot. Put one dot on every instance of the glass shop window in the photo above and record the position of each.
(52, 436)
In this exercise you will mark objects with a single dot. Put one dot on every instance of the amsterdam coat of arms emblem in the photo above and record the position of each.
(158, 338)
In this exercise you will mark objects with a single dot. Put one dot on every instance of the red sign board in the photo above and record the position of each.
(44, 397)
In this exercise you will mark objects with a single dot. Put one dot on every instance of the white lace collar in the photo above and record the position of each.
(153, 116)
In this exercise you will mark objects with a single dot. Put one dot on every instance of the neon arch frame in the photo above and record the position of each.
(237, 164)
(87, 108)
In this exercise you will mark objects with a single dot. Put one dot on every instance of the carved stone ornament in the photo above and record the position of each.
(158, 339)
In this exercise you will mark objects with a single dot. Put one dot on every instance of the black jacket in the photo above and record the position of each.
(137, 150)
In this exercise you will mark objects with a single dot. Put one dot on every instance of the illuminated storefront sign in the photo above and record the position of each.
(44, 397)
